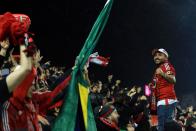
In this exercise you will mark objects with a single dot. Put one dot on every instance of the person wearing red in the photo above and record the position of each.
(21, 111)
(107, 118)
(12, 31)
(163, 87)
(23, 108)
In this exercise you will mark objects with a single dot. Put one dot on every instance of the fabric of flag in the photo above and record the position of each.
(77, 102)
(97, 59)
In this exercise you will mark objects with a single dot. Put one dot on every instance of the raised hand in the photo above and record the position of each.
(43, 120)
(37, 58)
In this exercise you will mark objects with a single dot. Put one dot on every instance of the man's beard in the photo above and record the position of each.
(115, 120)
(160, 61)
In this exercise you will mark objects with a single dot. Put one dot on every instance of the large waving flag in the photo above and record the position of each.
(77, 102)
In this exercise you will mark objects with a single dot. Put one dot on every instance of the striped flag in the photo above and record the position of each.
(97, 59)
(76, 113)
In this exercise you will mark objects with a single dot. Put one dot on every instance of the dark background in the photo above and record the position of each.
(133, 30)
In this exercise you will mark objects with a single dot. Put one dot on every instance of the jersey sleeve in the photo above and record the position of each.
(168, 69)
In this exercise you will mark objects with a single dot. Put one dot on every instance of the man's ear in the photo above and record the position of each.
(166, 58)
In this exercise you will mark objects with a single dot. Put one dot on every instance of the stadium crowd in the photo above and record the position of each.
(32, 94)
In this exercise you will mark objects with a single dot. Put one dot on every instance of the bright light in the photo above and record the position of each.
(147, 90)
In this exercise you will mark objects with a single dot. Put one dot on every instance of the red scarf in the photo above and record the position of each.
(109, 123)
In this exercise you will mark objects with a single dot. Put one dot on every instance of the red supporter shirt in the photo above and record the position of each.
(164, 89)
(20, 113)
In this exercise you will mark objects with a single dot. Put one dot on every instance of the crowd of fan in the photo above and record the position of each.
(133, 108)
(38, 90)
(114, 107)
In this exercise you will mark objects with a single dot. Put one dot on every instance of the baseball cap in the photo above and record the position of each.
(160, 50)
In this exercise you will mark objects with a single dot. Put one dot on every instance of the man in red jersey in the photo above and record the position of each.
(164, 81)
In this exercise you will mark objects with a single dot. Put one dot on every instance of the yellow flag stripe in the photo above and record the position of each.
(84, 102)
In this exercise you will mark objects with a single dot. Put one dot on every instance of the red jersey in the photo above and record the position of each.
(20, 113)
(164, 89)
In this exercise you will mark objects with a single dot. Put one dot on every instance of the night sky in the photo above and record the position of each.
(133, 30)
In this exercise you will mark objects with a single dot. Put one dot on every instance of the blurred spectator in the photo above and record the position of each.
(107, 118)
